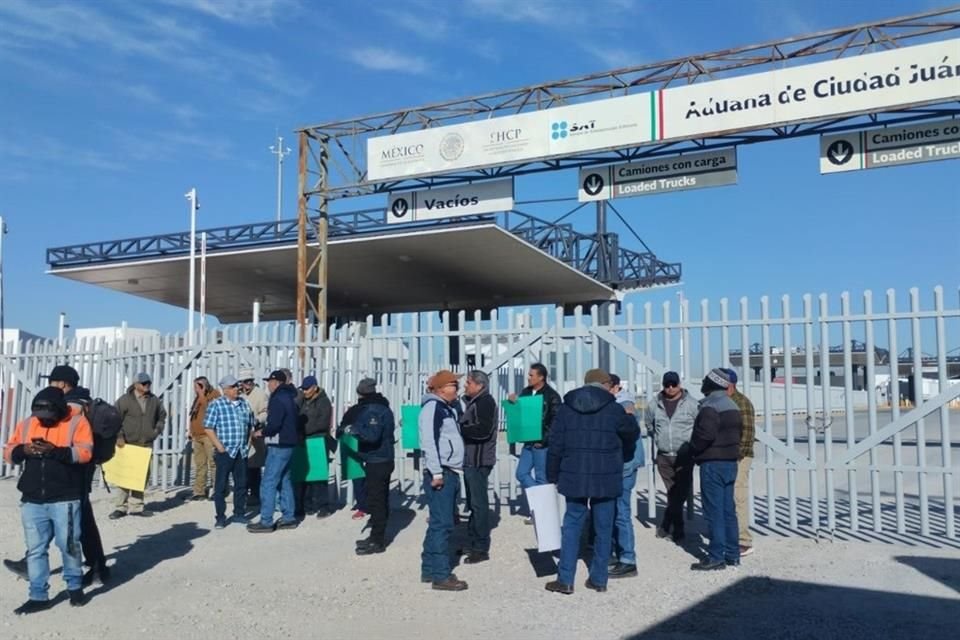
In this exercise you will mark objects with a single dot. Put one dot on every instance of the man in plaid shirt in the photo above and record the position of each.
(228, 424)
(741, 490)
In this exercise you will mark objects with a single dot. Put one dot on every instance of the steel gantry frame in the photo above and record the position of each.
(341, 145)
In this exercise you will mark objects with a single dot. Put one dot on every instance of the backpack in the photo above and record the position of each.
(105, 422)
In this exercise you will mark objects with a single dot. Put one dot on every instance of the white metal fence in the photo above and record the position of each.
(855, 403)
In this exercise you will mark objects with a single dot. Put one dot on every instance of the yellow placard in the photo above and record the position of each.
(128, 467)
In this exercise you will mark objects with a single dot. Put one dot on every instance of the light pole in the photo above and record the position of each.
(280, 151)
(683, 374)
(194, 206)
(203, 287)
(60, 329)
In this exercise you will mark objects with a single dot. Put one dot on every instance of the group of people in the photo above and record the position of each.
(591, 448)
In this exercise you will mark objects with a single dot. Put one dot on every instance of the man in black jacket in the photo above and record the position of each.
(372, 422)
(532, 465)
(316, 421)
(478, 425)
(716, 447)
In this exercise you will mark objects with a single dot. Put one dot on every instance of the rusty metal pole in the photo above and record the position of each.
(302, 222)
(322, 232)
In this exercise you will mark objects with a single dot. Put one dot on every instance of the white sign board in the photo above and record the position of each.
(890, 146)
(871, 82)
(450, 202)
(659, 175)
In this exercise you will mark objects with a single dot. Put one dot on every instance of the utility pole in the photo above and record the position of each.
(194, 206)
(683, 373)
(61, 327)
(280, 151)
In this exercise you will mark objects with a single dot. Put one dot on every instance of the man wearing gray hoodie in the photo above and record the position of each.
(441, 446)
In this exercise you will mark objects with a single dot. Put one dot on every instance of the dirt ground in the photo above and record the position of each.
(177, 577)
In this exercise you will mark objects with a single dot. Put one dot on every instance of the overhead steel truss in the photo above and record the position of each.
(332, 154)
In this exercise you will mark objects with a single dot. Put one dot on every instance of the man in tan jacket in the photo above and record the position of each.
(203, 459)
(257, 398)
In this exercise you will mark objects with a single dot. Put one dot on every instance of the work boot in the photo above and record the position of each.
(709, 565)
(450, 584)
(259, 527)
(371, 548)
(558, 587)
(288, 524)
(590, 584)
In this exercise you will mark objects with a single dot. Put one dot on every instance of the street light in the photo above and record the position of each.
(279, 150)
(194, 205)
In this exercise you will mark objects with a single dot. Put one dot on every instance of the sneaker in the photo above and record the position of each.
(450, 584)
(528, 521)
(558, 587)
(623, 570)
(244, 520)
(370, 549)
(116, 515)
(259, 527)
(220, 524)
(288, 524)
(77, 599)
(732, 563)
(18, 567)
(358, 514)
(709, 565)
(32, 606)
(476, 557)
(590, 584)
(662, 533)
(745, 550)
(323, 513)
(364, 542)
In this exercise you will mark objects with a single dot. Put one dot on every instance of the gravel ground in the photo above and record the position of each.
(176, 577)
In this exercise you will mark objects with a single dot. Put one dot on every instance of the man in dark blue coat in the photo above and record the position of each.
(281, 436)
(590, 439)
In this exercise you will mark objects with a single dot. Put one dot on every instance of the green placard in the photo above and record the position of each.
(350, 462)
(310, 463)
(410, 426)
(524, 419)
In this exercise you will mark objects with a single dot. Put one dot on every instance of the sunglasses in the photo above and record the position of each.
(670, 385)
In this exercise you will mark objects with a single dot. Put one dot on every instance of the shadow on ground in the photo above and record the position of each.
(766, 608)
(945, 570)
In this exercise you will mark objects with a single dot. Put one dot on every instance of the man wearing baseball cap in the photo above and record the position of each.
(228, 422)
(256, 397)
(442, 448)
(741, 490)
(281, 437)
(670, 419)
(316, 420)
(143, 417)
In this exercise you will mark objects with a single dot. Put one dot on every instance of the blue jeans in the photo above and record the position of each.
(435, 559)
(602, 511)
(225, 467)
(624, 545)
(532, 460)
(717, 479)
(60, 522)
(276, 474)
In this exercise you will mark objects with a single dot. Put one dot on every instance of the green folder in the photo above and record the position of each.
(310, 462)
(410, 428)
(524, 419)
(350, 462)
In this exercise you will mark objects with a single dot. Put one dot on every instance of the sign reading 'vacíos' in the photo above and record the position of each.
(890, 146)
(450, 202)
(659, 175)
(896, 78)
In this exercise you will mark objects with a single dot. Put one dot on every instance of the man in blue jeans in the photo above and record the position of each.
(716, 447)
(623, 563)
(532, 463)
(228, 421)
(280, 436)
(590, 439)
(442, 448)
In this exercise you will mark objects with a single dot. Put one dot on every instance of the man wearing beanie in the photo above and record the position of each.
(591, 438)
(51, 444)
(372, 422)
(716, 446)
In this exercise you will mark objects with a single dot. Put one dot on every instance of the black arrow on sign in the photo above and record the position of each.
(839, 152)
(399, 208)
(593, 184)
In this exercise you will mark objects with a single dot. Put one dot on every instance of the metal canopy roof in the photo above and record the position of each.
(478, 266)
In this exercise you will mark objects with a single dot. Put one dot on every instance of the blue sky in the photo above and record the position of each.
(112, 110)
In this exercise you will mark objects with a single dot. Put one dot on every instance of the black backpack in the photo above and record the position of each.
(105, 422)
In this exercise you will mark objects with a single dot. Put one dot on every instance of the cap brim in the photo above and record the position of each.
(43, 414)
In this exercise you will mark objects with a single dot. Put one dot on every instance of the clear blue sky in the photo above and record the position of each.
(112, 110)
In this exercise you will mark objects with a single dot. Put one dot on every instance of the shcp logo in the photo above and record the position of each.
(558, 130)
(399, 208)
